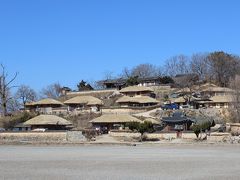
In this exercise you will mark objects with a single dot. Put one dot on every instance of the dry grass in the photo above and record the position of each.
(81, 121)
(9, 122)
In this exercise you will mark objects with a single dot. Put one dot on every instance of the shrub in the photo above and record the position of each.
(196, 129)
(9, 122)
(81, 121)
(133, 125)
(89, 134)
(146, 126)
(199, 127)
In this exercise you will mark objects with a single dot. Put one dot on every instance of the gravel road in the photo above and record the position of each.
(120, 162)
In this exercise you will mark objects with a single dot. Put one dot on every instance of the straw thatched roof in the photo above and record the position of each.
(47, 120)
(137, 99)
(219, 99)
(88, 100)
(178, 100)
(211, 87)
(47, 101)
(217, 89)
(184, 90)
(153, 121)
(136, 89)
(222, 99)
(29, 103)
(208, 87)
(22, 125)
(115, 118)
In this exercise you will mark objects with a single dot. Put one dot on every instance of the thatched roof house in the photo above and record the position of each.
(217, 101)
(48, 102)
(207, 95)
(29, 104)
(136, 89)
(153, 121)
(45, 106)
(222, 99)
(185, 90)
(206, 89)
(180, 100)
(209, 87)
(22, 127)
(50, 122)
(137, 101)
(85, 100)
(109, 121)
(216, 91)
(115, 118)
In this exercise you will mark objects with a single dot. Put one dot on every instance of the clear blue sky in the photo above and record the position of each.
(50, 41)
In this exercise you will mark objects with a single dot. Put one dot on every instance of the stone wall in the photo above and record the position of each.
(161, 136)
(33, 136)
(121, 111)
(124, 134)
(42, 137)
(75, 136)
(223, 137)
(169, 136)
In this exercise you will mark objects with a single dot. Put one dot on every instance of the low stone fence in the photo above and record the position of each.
(169, 136)
(75, 136)
(224, 138)
(215, 137)
(160, 136)
(124, 134)
(121, 111)
(42, 137)
(127, 110)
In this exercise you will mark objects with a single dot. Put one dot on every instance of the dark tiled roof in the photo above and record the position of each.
(177, 117)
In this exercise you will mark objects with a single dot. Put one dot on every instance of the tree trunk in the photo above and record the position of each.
(4, 106)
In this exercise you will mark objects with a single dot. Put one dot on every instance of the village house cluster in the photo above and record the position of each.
(117, 103)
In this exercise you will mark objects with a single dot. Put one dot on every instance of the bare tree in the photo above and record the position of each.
(142, 71)
(97, 85)
(52, 91)
(108, 75)
(186, 84)
(126, 73)
(235, 109)
(200, 65)
(25, 94)
(13, 105)
(146, 70)
(5, 87)
(224, 67)
(177, 65)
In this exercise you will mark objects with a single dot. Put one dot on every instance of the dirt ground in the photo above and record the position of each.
(166, 162)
